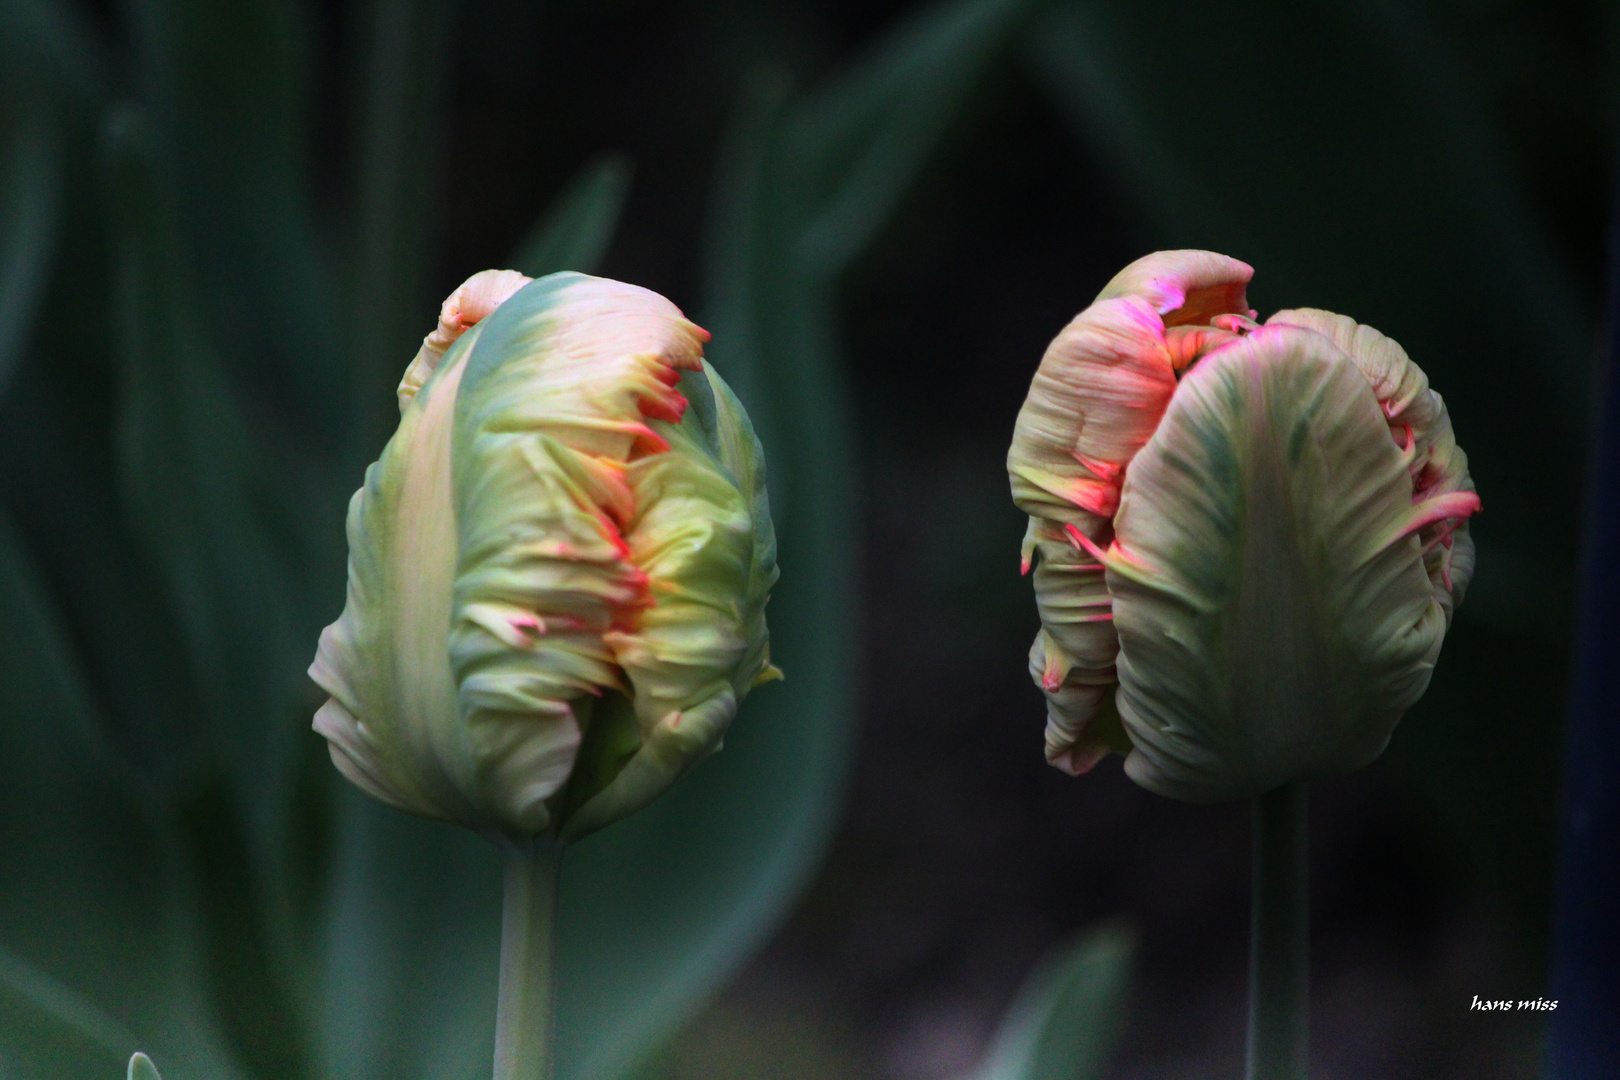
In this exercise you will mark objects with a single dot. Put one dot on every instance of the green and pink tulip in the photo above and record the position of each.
(1247, 540)
(558, 568)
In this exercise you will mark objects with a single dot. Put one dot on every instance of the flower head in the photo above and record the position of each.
(558, 568)
(1249, 539)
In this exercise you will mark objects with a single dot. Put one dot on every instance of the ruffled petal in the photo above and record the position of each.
(702, 534)
(1186, 287)
(553, 415)
(1419, 424)
(475, 299)
(1096, 399)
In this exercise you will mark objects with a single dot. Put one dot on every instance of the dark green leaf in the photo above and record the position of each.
(30, 166)
(574, 233)
(195, 485)
(217, 530)
(94, 941)
(52, 41)
(401, 105)
(226, 88)
(408, 951)
(1069, 1013)
(141, 1068)
(857, 144)
(58, 1021)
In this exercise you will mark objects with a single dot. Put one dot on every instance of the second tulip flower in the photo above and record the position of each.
(1247, 540)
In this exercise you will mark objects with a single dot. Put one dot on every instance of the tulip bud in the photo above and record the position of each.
(1250, 539)
(558, 567)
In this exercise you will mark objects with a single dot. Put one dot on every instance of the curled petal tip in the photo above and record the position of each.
(1185, 286)
(1084, 543)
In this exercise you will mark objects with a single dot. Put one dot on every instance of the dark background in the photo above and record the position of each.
(960, 857)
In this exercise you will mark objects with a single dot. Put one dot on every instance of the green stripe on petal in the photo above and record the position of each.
(392, 718)
(1274, 619)
(1417, 417)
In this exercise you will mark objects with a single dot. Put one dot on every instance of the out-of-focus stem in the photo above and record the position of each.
(1279, 947)
(525, 1014)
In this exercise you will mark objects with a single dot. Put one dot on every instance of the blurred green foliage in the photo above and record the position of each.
(1068, 1015)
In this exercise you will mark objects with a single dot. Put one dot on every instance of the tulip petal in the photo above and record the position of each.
(551, 420)
(1186, 287)
(703, 536)
(1274, 618)
(392, 720)
(1438, 466)
(1094, 402)
(476, 298)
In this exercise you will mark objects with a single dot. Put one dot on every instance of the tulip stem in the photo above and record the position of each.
(1279, 945)
(526, 1012)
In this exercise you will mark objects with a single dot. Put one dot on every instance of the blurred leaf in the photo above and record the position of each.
(141, 1068)
(401, 108)
(575, 232)
(53, 40)
(1069, 1013)
(805, 184)
(95, 947)
(23, 984)
(857, 144)
(226, 87)
(30, 167)
(193, 482)
(409, 949)
(193, 485)
(234, 411)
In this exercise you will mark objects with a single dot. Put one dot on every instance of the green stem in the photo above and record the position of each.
(1279, 947)
(525, 1014)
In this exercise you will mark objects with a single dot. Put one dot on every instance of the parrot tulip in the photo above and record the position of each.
(1247, 540)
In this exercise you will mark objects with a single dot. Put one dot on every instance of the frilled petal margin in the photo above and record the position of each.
(545, 531)
(1095, 400)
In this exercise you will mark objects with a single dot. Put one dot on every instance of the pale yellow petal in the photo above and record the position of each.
(473, 300)
(392, 722)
